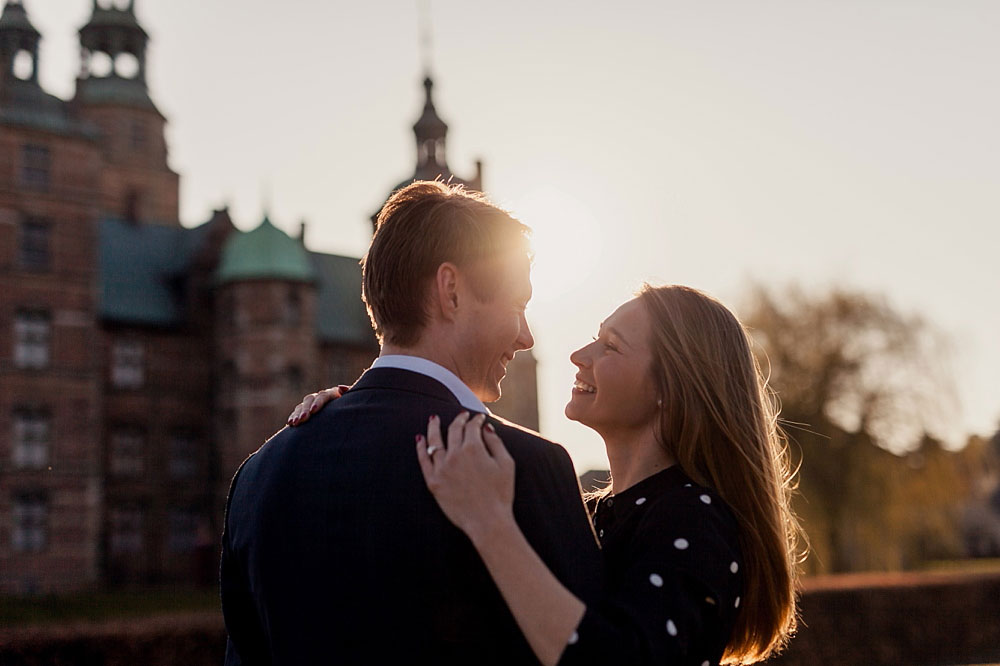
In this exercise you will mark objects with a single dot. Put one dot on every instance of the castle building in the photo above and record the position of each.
(140, 360)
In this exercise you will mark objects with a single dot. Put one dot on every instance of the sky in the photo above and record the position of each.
(719, 143)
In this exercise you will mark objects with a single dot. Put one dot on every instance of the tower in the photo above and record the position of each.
(431, 133)
(111, 92)
(50, 458)
(519, 402)
(18, 45)
(266, 346)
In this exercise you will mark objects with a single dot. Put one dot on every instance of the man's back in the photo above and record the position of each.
(336, 553)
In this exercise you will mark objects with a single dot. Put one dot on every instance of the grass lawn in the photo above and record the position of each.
(105, 605)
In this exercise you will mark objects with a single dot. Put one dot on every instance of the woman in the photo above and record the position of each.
(698, 538)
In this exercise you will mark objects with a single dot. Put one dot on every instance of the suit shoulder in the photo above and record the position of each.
(511, 432)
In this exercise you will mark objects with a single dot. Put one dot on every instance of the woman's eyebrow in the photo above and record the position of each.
(614, 331)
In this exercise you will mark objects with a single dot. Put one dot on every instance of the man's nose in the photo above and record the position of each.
(524, 339)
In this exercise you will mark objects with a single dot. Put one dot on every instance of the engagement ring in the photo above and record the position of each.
(431, 450)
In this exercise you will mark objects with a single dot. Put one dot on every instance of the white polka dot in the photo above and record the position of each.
(681, 544)
(705, 663)
(687, 485)
(734, 567)
(574, 637)
(640, 501)
(706, 499)
(656, 580)
(671, 628)
(737, 604)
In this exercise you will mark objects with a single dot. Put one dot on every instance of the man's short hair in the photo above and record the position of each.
(420, 227)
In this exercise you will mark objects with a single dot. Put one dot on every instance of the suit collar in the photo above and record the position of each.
(435, 371)
(405, 380)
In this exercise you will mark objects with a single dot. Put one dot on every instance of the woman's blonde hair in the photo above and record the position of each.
(719, 422)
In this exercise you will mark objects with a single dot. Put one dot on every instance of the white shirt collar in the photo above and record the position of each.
(462, 393)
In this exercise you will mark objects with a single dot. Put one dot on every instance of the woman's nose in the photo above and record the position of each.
(579, 358)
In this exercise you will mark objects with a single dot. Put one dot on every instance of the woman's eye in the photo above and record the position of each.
(607, 345)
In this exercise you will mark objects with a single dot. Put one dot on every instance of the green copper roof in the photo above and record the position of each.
(114, 89)
(142, 270)
(340, 313)
(264, 253)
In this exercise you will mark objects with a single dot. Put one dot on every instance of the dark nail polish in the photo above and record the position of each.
(490, 428)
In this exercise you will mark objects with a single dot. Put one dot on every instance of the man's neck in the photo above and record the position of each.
(421, 350)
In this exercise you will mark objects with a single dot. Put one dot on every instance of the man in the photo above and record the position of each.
(334, 551)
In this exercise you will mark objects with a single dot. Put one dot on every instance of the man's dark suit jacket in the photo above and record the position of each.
(334, 551)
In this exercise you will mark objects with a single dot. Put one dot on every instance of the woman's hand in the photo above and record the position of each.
(472, 478)
(473, 482)
(313, 402)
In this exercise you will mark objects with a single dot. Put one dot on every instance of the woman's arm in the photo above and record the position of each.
(472, 480)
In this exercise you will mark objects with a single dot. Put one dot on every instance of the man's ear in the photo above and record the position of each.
(445, 290)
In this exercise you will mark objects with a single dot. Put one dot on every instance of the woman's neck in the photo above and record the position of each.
(634, 457)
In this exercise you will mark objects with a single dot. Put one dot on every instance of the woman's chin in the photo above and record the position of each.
(574, 412)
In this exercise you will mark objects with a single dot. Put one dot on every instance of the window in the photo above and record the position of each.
(30, 522)
(32, 432)
(126, 530)
(35, 255)
(182, 535)
(293, 308)
(128, 370)
(35, 167)
(32, 331)
(183, 455)
(128, 451)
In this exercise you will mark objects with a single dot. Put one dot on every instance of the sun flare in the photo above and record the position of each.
(567, 240)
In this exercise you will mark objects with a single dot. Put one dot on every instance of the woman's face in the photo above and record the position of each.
(614, 392)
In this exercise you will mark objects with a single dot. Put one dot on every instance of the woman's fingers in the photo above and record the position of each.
(323, 397)
(426, 464)
(313, 402)
(434, 441)
(301, 409)
(494, 445)
(473, 431)
(456, 431)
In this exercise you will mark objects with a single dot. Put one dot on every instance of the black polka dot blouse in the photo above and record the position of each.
(674, 577)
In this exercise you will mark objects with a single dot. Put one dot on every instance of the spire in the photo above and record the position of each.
(430, 132)
(426, 36)
(18, 44)
(113, 57)
(115, 32)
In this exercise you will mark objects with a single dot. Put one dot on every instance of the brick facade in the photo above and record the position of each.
(132, 388)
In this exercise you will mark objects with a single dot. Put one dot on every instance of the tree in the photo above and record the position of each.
(861, 386)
